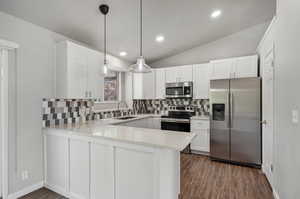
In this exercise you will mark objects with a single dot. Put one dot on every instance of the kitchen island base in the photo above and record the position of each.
(82, 167)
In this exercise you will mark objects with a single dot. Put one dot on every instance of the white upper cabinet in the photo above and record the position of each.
(240, 67)
(79, 71)
(246, 67)
(201, 73)
(179, 74)
(222, 69)
(160, 83)
(144, 85)
(95, 74)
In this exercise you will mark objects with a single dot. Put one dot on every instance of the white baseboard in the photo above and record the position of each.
(26, 191)
(57, 189)
(276, 196)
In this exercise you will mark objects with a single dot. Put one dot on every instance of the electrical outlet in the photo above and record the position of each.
(295, 116)
(25, 175)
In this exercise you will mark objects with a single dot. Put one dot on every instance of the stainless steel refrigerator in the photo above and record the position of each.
(235, 107)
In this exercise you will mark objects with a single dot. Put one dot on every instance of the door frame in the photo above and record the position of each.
(268, 171)
(7, 46)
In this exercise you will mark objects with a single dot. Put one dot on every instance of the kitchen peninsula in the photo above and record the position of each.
(101, 159)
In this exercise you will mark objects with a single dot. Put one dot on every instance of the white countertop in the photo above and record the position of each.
(104, 129)
(200, 117)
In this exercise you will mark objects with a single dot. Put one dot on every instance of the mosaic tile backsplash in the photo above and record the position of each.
(201, 106)
(70, 111)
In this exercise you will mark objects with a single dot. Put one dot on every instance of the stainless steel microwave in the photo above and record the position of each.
(179, 90)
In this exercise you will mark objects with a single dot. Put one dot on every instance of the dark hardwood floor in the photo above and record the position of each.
(202, 178)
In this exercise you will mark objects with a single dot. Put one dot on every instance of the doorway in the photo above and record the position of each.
(268, 112)
(5, 48)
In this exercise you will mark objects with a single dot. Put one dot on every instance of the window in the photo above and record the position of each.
(111, 87)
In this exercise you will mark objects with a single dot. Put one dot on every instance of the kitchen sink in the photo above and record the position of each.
(126, 118)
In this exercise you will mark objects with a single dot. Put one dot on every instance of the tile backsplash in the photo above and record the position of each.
(201, 106)
(70, 111)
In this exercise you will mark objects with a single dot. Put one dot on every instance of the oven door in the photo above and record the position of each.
(174, 125)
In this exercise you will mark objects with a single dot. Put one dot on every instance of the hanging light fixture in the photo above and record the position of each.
(141, 66)
(104, 10)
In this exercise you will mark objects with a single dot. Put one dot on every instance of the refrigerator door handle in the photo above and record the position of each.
(231, 110)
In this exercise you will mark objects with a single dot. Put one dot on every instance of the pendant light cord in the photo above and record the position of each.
(141, 28)
(105, 60)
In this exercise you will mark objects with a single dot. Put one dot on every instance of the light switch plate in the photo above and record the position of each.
(295, 116)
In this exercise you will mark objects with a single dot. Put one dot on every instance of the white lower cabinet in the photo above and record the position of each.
(102, 171)
(79, 169)
(201, 142)
(82, 168)
(142, 183)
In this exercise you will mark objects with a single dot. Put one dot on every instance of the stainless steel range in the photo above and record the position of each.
(178, 119)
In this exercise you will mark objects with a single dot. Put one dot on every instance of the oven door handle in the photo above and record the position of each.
(175, 121)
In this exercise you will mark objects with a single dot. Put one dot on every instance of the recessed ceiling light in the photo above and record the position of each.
(123, 53)
(160, 38)
(216, 14)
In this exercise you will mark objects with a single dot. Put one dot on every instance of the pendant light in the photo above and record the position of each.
(104, 10)
(141, 66)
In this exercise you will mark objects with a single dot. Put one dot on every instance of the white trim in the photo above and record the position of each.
(8, 44)
(4, 122)
(272, 24)
(275, 194)
(26, 190)
(56, 189)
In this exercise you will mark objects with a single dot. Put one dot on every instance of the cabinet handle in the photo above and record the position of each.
(90, 93)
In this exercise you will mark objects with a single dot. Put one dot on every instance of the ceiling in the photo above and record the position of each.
(185, 24)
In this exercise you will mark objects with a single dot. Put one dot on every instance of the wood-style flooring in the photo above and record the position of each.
(202, 178)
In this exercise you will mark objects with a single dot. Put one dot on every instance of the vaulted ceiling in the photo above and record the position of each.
(185, 24)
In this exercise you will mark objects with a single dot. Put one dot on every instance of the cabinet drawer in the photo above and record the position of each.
(199, 124)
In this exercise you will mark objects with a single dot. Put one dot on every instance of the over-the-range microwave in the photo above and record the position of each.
(179, 90)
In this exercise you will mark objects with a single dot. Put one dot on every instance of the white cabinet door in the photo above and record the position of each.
(95, 75)
(201, 79)
(171, 75)
(246, 67)
(102, 171)
(149, 85)
(179, 74)
(160, 83)
(184, 73)
(138, 86)
(222, 69)
(144, 86)
(77, 73)
(142, 183)
(56, 161)
(79, 169)
(202, 140)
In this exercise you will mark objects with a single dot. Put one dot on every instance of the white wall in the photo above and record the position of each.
(35, 80)
(287, 98)
(239, 44)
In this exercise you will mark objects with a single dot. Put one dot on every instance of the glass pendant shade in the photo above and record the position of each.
(105, 69)
(140, 66)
